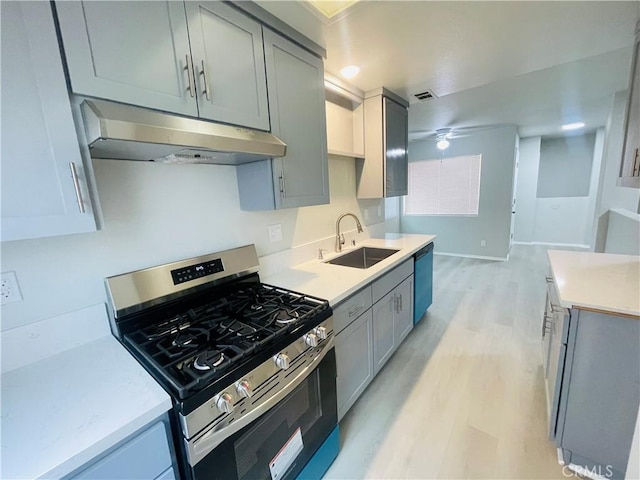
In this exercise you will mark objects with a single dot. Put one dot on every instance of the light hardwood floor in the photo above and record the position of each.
(463, 396)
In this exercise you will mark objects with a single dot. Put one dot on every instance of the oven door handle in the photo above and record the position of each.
(200, 447)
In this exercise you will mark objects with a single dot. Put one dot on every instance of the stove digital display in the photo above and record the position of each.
(200, 270)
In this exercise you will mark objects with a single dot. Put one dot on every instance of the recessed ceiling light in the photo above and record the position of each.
(350, 71)
(573, 126)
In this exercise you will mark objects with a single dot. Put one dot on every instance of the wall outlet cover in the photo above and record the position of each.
(9, 289)
(483, 243)
(275, 233)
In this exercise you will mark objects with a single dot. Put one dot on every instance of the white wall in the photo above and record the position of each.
(463, 235)
(611, 196)
(553, 220)
(156, 213)
(527, 184)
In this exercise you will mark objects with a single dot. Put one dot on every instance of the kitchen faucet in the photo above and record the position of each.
(340, 237)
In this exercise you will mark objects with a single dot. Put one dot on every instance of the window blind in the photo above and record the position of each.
(450, 186)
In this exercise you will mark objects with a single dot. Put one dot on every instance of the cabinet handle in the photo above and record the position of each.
(76, 185)
(191, 87)
(396, 301)
(205, 90)
(636, 163)
(355, 310)
(283, 186)
(549, 279)
(401, 307)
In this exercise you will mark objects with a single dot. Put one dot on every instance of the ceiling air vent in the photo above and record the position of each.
(424, 96)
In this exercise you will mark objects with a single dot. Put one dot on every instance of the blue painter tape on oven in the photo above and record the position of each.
(323, 458)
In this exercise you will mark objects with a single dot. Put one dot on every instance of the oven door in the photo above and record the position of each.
(279, 443)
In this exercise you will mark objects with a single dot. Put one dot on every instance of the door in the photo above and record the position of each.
(404, 313)
(41, 194)
(383, 337)
(296, 105)
(228, 60)
(130, 52)
(513, 197)
(395, 146)
(354, 358)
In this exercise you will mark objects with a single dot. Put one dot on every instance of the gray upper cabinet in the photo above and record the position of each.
(630, 165)
(228, 59)
(43, 177)
(383, 172)
(130, 52)
(207, 58)
(295, 81)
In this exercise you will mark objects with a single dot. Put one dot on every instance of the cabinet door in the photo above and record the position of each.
(383, 338)
(296, 105)
(630, 167)
(404, 315)
(229, 63)
(354, 358)
(396, 145)
(39, 141)
(130, 52)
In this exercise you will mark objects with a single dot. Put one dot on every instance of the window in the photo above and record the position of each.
(450, 186)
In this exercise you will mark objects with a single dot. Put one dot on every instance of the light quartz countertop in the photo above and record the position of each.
(60, 412)
(334, 282)
(599, 281)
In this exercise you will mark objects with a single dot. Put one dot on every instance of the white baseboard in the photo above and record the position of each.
(480, 257)
(556, 244)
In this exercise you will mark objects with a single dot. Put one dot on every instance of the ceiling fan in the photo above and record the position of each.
(443, 135)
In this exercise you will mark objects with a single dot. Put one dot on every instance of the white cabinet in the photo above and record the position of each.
(44, 188)
(384, 170)
(367, 335)
(204, 59)
(630, 166)
(345, 118)
(297, 110)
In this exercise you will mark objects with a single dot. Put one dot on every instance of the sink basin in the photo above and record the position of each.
(363, 257)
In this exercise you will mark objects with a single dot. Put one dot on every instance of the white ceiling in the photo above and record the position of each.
(535, 64)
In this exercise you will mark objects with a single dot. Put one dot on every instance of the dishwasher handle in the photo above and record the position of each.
(423, 251)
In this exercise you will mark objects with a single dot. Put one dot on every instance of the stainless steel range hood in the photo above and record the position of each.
(123, 132)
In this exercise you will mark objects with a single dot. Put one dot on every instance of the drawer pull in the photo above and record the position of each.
(355, 310)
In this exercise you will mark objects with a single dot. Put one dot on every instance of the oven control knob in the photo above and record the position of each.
(243, 387)
(321, 332)
(224, 402)
(311, 339)
(282, 360)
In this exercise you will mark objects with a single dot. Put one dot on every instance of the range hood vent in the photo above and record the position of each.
(123, 132)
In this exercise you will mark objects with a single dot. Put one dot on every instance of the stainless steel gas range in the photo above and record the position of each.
(250, 367)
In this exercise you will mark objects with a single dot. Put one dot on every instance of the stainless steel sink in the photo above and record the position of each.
(363, 257)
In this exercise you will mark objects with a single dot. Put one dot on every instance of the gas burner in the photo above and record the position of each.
(285, 317)
(183, 339)
(211, 358)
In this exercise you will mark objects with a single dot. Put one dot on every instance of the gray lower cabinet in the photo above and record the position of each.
(297, 110)
(368, 333)
(392, 321)
(145, 455)
(593, 385)
(208, 58)
(44, 187)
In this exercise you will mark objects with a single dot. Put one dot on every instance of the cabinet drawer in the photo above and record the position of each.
(351, 308)
(388, 282)
(145, 456)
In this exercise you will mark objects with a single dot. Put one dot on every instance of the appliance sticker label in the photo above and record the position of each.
(285, 457)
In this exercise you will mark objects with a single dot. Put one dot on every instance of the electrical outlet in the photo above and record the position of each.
(483, 243)
(275, 233)
(9, 290)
